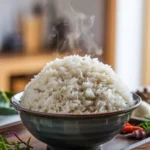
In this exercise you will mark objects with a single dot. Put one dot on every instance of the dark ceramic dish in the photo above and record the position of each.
(74, 132)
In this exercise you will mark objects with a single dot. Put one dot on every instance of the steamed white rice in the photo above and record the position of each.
(77, 85)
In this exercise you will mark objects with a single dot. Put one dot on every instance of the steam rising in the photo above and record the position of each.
(71, 31)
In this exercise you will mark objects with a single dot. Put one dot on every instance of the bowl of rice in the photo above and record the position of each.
(75, 103)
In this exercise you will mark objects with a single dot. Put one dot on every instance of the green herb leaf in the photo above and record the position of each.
(19, 145)
(5, 106)
(7, 111)
(3, 146)
(146, 126)
(28, 141)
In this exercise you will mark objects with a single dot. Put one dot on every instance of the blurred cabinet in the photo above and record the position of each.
(17, 69)
(18, 83)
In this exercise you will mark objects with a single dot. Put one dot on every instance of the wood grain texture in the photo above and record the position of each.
(118, 143)
(109, 53)
(22, 133)
(146, 56)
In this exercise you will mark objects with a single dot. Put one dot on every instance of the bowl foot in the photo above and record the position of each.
(58, 148)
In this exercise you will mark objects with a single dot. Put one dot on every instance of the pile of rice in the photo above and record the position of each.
(78, 85)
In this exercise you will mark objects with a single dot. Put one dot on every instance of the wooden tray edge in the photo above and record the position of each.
(9, 126)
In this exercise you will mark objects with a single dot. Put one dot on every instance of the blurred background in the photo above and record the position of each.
(34, 32)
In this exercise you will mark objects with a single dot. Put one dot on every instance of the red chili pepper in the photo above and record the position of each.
(128, 124)
(128, 128)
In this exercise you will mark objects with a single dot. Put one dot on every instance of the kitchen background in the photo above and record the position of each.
(28, 41)
(27, 30)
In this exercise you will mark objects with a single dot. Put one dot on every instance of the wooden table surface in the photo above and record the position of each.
(120, 142)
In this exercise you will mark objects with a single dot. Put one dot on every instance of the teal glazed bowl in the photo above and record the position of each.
(71, 131)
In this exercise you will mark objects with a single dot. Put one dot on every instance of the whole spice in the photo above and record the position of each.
(140, 131)
(144, 94)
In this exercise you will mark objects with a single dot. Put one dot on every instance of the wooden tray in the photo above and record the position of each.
(118, 143)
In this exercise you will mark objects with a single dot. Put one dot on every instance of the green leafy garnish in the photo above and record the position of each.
(146, 126)
(5, 106)
(19, 145)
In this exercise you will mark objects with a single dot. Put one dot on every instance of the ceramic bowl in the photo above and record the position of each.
(74, 132)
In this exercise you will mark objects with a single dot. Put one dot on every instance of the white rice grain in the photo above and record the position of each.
(78, 85)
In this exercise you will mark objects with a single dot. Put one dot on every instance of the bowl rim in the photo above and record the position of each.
(22, 109)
